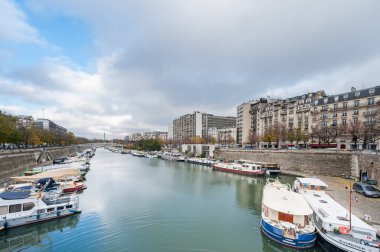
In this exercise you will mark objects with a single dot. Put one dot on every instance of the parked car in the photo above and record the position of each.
(366, 190)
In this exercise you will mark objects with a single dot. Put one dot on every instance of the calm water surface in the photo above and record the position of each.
(139, 204)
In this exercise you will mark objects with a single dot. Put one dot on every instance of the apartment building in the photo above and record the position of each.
(198, 124)
(355, 110)
(312, 112)
(49, 125)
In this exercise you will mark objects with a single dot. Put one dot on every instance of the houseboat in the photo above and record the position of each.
(286, 217)
(244, 168)
(200, 161)
(174, 156)
(339, 229)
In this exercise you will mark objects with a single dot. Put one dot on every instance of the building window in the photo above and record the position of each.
(308, 100)
(344, 104)
(344, 122)
(335, 123)
(370, 120)
(371, 101)
(336, 98)
(356, 103)
(369, 111)
(323, 124)
(357, 93)
(345, 96)
(356, 121)
(335, 106)
(344, 113)
(335, 115)
(356, 112)
(316, 102)
(325, 100)
(372, 91)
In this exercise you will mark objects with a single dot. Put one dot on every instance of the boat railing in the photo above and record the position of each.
(285, 226)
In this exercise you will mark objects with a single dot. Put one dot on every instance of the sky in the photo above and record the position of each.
(119, 66)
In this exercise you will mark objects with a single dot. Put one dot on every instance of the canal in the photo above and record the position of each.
(139, 204)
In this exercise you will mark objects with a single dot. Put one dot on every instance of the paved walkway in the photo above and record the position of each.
(360, 205)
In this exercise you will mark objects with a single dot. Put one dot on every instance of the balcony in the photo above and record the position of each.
(371, 113)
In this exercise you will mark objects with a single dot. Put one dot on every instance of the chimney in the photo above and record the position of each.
(353, 89)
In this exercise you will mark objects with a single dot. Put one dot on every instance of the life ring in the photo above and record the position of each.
(344, 230)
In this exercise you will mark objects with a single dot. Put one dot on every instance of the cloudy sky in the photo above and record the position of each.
(119, 66)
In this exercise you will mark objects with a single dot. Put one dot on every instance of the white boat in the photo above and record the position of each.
(339, 230)
(21, 208)
(245, 168)
(137, 153)
(201, 161)
(174, 156)
(286, 217)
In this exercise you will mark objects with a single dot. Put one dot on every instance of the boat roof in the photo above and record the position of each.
(14, 195)
(312, 181)
(279, 198)
(330, 210)
(56, 174)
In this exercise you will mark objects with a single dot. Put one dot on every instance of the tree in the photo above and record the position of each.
(327, 134)
(253, 138)
(291, 136)
(298, 135)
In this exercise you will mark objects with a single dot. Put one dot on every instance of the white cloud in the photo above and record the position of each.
(156, 60)
(14, 25)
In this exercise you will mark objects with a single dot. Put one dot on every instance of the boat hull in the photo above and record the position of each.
(33, 219)
(337, 245)
(249, 173)
(302, 242)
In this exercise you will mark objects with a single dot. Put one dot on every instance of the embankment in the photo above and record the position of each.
(318, 162)
(14, 163)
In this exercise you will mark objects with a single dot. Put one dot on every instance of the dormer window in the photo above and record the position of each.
(308, 100)
(372, 91)
(325, 100)
(345, 96)
(357, 93)
(316, 102)
(336, 98)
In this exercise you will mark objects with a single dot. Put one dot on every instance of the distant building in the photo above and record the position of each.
(170, 131)
(159, 135)
(24, 121)
(198, 124)
(50, 126)
(226, 136)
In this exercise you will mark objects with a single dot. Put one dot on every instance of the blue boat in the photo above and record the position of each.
(286, 217)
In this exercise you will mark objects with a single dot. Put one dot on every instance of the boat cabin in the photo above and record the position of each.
(309, 184)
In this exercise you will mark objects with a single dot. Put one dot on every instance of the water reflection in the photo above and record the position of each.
(24, 237)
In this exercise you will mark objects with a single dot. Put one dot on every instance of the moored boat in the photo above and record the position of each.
(339, 229)
(286, 217)
(22, 208)
(244, 168)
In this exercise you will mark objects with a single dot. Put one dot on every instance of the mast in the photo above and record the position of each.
(350, 201)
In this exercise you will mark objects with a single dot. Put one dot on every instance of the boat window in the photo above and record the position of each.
(342, 218)
(28, 206)
(323, 201)
(60, 208)
(316, 195)
(50, 209)
(40, 211)
(69, 206)
(15, 208)
(3, 209)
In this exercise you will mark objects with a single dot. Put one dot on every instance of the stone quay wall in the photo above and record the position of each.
(318, 162)
(14, 163)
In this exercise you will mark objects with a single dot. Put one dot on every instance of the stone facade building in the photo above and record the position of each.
(323, 121)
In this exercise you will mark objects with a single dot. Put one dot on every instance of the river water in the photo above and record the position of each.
(139, 204)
